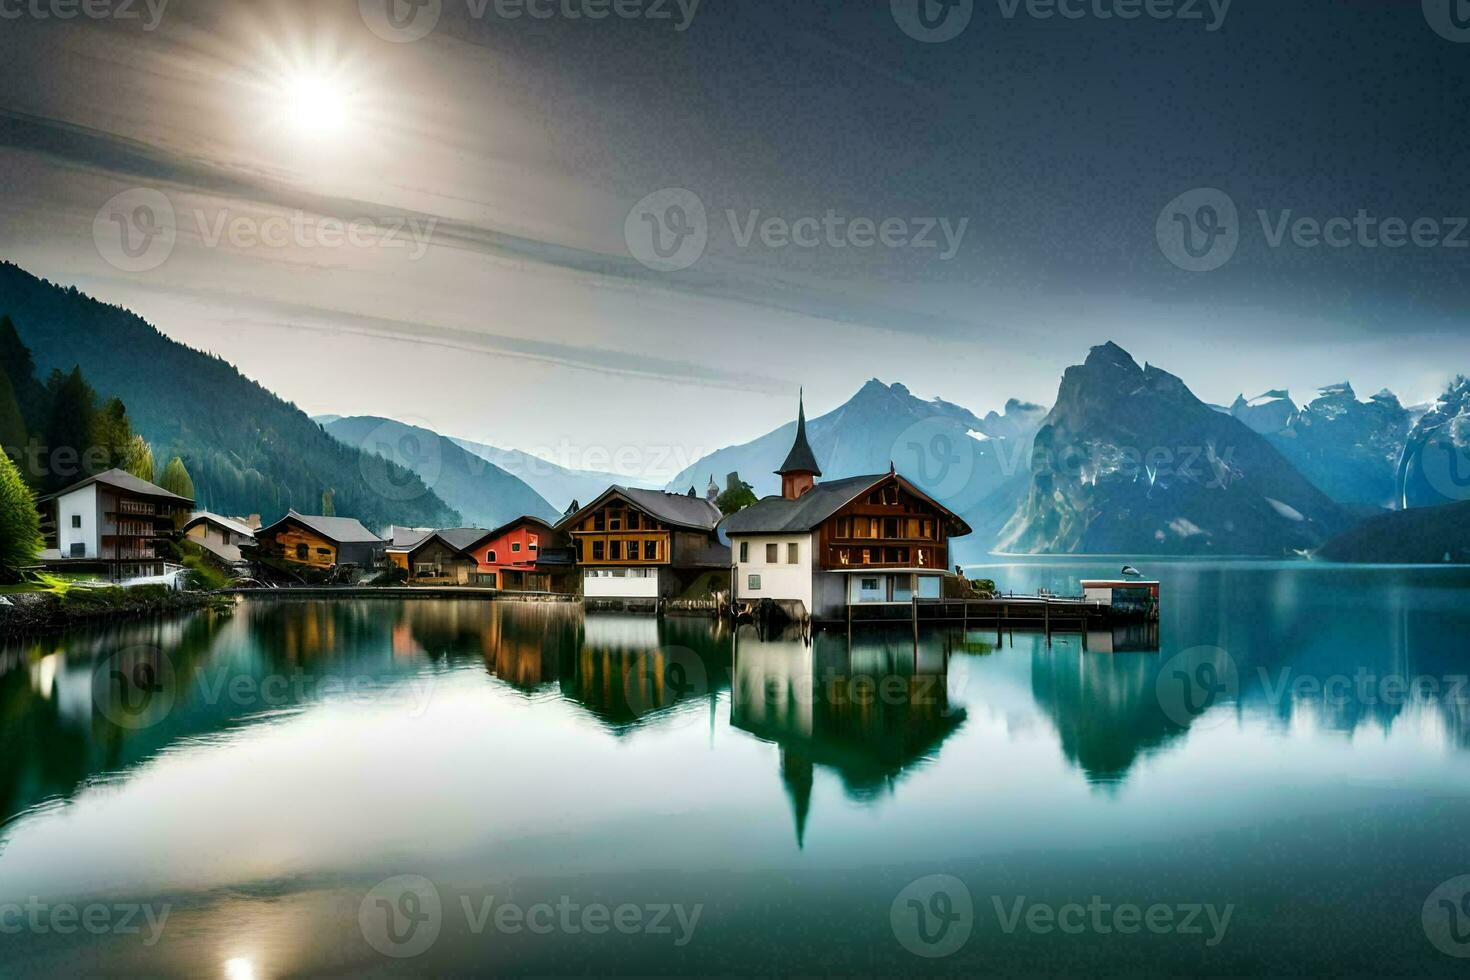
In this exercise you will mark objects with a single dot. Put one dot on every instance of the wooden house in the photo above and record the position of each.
(822, 546)
(632, 543)
(222, 537)
(321, 543)
(525, 555)
(112, 520)
(439, 557)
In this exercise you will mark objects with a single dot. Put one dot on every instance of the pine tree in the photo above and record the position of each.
(70, 426)
(176, 479)
(12, 423)
(112, 435)
(20, 523)
(15, 362)
(329, 509)
(138, 460)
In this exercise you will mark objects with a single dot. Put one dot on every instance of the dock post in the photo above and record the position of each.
(914, 603)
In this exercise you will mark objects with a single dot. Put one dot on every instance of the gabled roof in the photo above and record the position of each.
(676, 509)
(228, 523)
(405, 537)
(126, 482)
(338, 530)
(777, 515)
(801, 459)
(508, 526)
(459, 539)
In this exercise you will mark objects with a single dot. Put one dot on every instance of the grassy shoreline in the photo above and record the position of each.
(49, 610)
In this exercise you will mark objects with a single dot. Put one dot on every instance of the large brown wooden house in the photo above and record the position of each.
(822, 546)
(632, 543)
(321, 543)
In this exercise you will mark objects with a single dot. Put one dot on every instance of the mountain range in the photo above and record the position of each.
(484, 494)
(247, 450)
(1129, 461)
(559, 485)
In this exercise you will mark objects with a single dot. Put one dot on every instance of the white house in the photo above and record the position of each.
(223, 536)
(822, 546)
(114, 519)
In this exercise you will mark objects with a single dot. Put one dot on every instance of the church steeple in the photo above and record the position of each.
(800, 471)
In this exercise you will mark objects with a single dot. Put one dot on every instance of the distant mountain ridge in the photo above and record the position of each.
(559, 485)
(1129, 461)
(962, 460)
(483, 493)
(247, 450)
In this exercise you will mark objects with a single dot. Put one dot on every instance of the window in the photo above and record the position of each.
(745, 551)
(633, 520)
(753, 582)
(490, 555)
(615, 551)
(532, 546)
(76, 520)
(597, 551)
(515, 546)
(791, 553)
(615, 520)
(324, 551)
(599, 521)
(869, 585)
(772, 554)
(302, 552)
(650, 551)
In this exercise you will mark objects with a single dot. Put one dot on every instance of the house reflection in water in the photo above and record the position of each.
(870, 711)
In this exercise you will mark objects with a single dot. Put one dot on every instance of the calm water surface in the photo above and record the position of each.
(426, 786)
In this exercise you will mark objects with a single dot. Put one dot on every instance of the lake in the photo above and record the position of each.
(384, 786)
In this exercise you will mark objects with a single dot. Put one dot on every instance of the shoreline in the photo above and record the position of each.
(37, 613)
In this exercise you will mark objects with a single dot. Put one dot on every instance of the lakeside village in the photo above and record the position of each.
(860, 549)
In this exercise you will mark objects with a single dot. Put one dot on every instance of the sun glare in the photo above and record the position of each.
(315, 104)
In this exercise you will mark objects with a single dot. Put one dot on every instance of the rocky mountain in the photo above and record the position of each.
(1420, 535)
(1348, 448)
(483, 493)
(1129, 461)
(247, 450)
(559, 485)
(1434, 467)
(962, 460)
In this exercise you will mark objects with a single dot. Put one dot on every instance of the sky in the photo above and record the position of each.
(642, 225)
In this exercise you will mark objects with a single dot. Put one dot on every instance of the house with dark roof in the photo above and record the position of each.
(525, 555)
(322, 543)
(113, 519)
(632, 543)
(819, 547)
(221, 536)
(436, 557)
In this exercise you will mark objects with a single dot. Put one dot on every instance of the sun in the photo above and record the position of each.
(315, 104)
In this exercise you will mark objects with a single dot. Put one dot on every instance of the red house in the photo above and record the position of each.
(525, 555)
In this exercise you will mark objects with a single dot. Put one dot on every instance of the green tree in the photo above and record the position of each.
(20, 523)
(112, 435)
(15, 361)
(329, 509)
(738, 495)
(176, 479)
(13, 433)
(70, 425)
(139, 459)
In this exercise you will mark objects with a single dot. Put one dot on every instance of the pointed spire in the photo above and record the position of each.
(801, 459)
